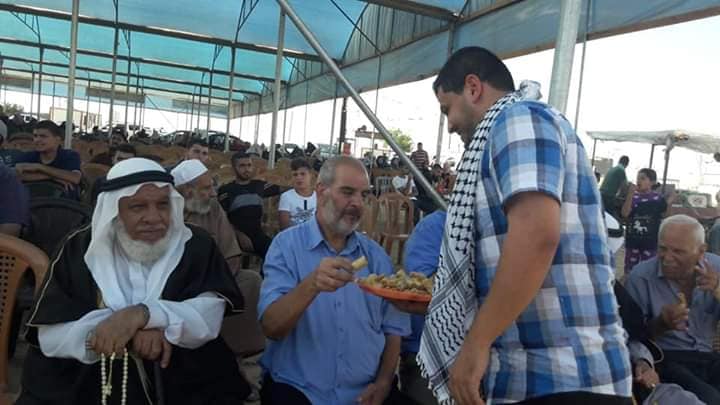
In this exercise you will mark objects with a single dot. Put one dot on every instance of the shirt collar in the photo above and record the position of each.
(314, 237)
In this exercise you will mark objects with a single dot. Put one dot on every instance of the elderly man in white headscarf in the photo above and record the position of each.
(194, 182)
(131, 307)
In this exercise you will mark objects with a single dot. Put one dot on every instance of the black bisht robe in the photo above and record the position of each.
(208, 375)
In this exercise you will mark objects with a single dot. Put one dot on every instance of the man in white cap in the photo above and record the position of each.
(194, 182)
(136, 287)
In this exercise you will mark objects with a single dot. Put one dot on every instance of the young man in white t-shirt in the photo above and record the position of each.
(298, 205)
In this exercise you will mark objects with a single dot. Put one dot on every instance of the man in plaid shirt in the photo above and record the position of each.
(546, 328)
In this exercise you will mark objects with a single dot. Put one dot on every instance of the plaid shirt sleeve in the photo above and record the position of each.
(528, 153)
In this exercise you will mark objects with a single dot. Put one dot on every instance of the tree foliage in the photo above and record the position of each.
(404, 140)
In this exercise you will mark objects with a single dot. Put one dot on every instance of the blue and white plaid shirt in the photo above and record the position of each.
(570, 337)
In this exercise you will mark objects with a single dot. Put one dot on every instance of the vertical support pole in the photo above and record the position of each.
(242, 111)
(564, 53)
(592, 161)
(52, 100)
(312, 40)
(212, 72)
(332, 121)
(441, 123)
(40, 72)
(192, 110)
(343, 126)
(230, 98)
(199, 102)
(71, 74)
(32, 93)
(285, 111)
(278, 88)
(668, 147)
(127, 84)
(652, 155)
(87, 105)
(257, 120)
(116, 41)
(137, 97)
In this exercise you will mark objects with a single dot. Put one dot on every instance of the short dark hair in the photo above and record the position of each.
(197, 141)
(299, 163)
(649, 173)
(237, 156)
(624, 160)
(473, 60)
(436, 166)
(126, 148)
(50, 126)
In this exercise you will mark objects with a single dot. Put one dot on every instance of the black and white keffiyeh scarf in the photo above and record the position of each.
(454, 302)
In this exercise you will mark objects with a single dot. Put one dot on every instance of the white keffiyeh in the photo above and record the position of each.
(454, 302)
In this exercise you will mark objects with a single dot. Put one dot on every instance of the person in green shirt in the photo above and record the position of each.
(613, 181)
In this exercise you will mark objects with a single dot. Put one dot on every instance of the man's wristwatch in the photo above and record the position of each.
(146, 313)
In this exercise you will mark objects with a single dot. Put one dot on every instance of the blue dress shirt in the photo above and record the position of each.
(335, 350)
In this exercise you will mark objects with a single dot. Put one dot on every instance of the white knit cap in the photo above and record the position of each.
(187, 171)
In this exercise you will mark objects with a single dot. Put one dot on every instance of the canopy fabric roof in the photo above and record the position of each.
(176, 48)
(702, 143)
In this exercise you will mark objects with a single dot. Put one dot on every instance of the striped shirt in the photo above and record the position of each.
(570, 337)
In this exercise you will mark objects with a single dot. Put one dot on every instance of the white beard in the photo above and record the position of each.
(197, 206)
(136, 250)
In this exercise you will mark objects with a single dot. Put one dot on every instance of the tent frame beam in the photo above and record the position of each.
(166, 32)
(417, 8)
(135, 59)
(157, 89)
(132, 75)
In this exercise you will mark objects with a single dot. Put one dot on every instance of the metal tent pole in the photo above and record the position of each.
(652, 155)
(127, 84)
(592, 162)
(71, 74)
(230, 97)
(192, 109)
(285, 111)
(137, 97)
(257, 119)
(564, 53)
(32, 93)
(87, 105)
(40, 72)
(114, 71)
(419, 178)
(332, 121)
(343, 126)
(668, 147)
(212, 72)
(52, 99)
(582, 63)
(278, 88)
(441, 124)
(199, 102)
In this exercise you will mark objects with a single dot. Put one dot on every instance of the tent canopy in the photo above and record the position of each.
(177, 50)
(702, 143)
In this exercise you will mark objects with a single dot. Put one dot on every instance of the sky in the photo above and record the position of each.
(663, 78)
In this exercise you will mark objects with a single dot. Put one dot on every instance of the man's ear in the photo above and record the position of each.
(474, 87)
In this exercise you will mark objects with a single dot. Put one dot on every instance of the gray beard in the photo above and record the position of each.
(197, 206)
(136, 250)
(332, 217)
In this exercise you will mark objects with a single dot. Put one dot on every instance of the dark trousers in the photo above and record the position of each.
(274, 393)
(260, 242)
(577, 398)
(697, 372)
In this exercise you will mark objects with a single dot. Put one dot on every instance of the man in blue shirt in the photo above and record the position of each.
(330, 343)
(422, 252)
(679, 294)
(49, 161)
(523, 307)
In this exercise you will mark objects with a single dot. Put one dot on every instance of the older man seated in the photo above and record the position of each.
(679, 294)
(331, 343)
(136, 298)
(194, 182)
